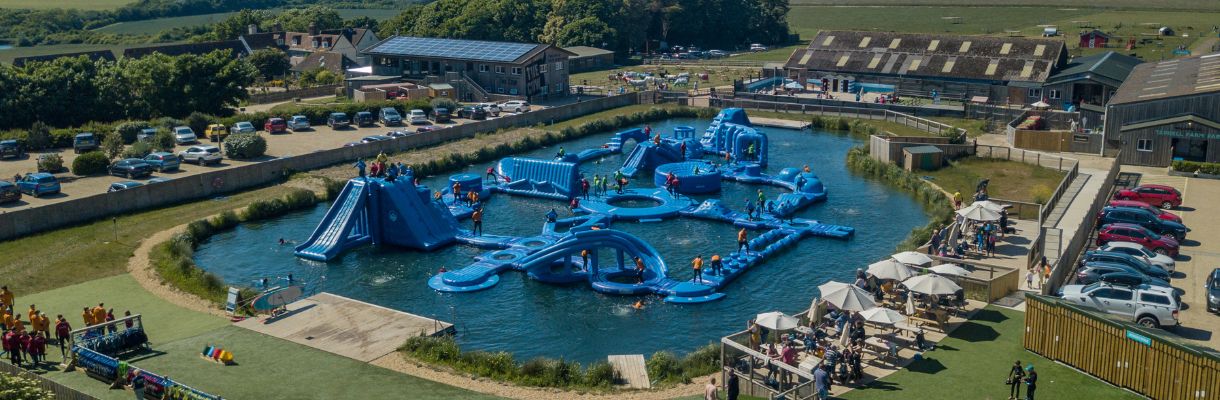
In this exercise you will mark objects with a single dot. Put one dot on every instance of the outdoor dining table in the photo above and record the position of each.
(905, 327)
(809, 362)
(803, 330)
(877, 343)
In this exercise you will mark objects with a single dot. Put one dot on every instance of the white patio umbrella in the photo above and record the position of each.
(793, 85)
(950, 269)
(1040, 104)
(850, 298)
(912, 258)
(931, 284)
(890, 269)
(882, 315)
(978, 213)
(990, 205)
(776, 321)
(910, 309)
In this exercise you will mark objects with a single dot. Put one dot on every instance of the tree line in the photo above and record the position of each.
(623, 25)
(72, 91)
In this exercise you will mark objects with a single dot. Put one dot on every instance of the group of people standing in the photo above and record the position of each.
(383, 168)
(28, 345)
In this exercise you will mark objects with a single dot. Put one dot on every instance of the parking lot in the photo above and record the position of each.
(320, 137)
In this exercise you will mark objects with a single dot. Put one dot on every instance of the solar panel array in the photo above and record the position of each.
(452, 48)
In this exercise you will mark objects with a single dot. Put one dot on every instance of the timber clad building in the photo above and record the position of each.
(1167, 111)
(1003, 70)
(529, 70)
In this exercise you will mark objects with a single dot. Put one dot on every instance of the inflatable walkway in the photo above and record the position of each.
(374, 210)
(557, 180)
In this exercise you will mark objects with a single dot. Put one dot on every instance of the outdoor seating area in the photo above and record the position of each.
(896, 310)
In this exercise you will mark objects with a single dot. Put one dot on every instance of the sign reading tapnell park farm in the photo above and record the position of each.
(1174, 133)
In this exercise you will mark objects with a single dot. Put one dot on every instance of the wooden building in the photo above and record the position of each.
(1005, 70)
(1088, 82)
(1094, 39)
(590, 58)
(527, 70)
(1167, 111)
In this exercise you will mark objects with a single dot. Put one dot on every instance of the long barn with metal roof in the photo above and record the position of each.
(1167, 111)
(529, 70)
(1000, 69)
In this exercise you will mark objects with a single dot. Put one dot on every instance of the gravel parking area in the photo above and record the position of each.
(289, 144)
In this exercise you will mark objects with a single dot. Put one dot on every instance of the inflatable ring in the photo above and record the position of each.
(668, 205)
(218, 183)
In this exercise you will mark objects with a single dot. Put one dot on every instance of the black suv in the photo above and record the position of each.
(472, 112)
(10, 148)
(365, 118)
(131, 168)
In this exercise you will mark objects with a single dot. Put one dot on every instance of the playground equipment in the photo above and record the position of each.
(217, 355)
(370, 207)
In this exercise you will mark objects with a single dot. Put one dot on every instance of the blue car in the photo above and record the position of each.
(38, 184)
(1144, 218)
(162, 161)
(1127, 260)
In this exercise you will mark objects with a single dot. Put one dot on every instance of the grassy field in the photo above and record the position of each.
(780, 54)
(80, 4)
(973, 362)
(157, 25)
(1120, 4)
(86, 252)
(1010, 180)
(8, 55)
(717, 76)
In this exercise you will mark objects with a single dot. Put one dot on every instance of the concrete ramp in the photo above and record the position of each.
(631, 369)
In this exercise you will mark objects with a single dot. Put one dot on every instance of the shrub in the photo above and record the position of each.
(198, 121)
(444, 102)
(933, 199)
(51, 162)
(169, 123)
(112, 145)
(663, 366)
(163, 140)
(1194, 166)
(245, 146)
(296, 199)
(90, 163)
(137, 150)
(39, 136)
(130, 129)
(18, 388)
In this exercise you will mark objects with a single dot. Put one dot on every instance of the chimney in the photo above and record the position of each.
(313, 29)
(252, 29)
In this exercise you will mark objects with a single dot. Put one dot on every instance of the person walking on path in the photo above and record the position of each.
(38, 348)
(957, 200)
(732, 387)
(697, 265)
(716, 264)
(1031, 381)
(710, 391)
(477, 217)
(742, 243)
(935, 241)
(821, 382)
(63, 331)
(1015, 375)
(584, 188)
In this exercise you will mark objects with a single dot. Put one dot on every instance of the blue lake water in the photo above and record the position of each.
(531, 319)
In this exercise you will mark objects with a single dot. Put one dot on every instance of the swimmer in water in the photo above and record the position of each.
(639, 304)
(283, 242)
(442, 270)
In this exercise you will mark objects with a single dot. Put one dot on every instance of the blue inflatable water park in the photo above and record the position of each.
(395, 211)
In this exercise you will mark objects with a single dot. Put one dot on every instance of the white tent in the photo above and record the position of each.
(890, 269)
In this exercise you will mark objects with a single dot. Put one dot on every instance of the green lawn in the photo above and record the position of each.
(86, 252)
(153, 26)
(973, 362)
(973, 127)
(1010, 180)
(717, 76)
(605, 114)
(780, 54)
(8, 55)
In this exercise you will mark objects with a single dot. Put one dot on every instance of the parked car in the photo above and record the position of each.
(1158, 195)
(426, 129)
(757, 47)
(11, 149)
(390, 117)
(1213, 290)
(1162, 214)
(38, 184)
(338, 120)
(397, 134)
(85, 141)
(365, 118)
(517, 106)
(9, 192)
(442, 114)
(242, 127)
(163, 161)
(275, 125)
(1110, 215)
(157, 180)
(1150, 306)
(492, 109)
(1140, 235)
(1140, 252)
(130, 168)
(124, 185)
(1124, 259)
(717, 53)
(146, 134)
(417, 117)
(374, 138)
(472, 112)
(216, 132)
(201, 155)
(1093, 271)
(298, 123)
(185, 135)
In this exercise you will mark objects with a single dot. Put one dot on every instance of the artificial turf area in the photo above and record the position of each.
(267, 367)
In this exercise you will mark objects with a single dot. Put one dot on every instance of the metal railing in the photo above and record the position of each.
(736, 357)
(1065, 262)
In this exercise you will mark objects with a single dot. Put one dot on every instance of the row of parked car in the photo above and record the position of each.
(1129, 273)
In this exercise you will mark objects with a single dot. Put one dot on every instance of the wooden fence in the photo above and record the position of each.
(1120, 353)
(59, 391)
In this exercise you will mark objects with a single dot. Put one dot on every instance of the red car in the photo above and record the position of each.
(1157, 195)
(1161, 244)
(276, 125)
(1165, 215)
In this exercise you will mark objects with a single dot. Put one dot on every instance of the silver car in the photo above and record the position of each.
(185, 135)
(1136, 250)
(242, 127)
(203, 154)
(1150, 306)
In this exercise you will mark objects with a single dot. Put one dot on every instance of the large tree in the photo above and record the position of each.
(301, 19)
(270, 63)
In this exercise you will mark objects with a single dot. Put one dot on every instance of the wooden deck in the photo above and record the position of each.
(346, 327)
(632, 370)
(780, 123)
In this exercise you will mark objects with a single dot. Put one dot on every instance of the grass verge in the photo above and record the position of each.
(1010, 180)
(934, 200)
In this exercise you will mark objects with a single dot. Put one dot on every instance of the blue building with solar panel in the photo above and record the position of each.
(527, 70)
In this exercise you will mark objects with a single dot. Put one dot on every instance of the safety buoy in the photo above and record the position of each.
(218, 183)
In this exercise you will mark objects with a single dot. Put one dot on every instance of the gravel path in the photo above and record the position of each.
(140, 267)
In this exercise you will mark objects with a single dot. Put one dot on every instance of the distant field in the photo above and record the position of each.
(8, 55)
(81, 4)
(777, 55)
(1124, 4)
(153, 26)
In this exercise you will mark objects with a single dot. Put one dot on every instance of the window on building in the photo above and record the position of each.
(296, 40)
(559, 65)
(542, 67)
(1143, 145)
(516, 70)
(1035, 93)
(499, 69)
(482, 67)
(1053, 93)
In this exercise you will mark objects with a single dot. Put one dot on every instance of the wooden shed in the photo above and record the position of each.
(1094, 39)
(926, 158)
